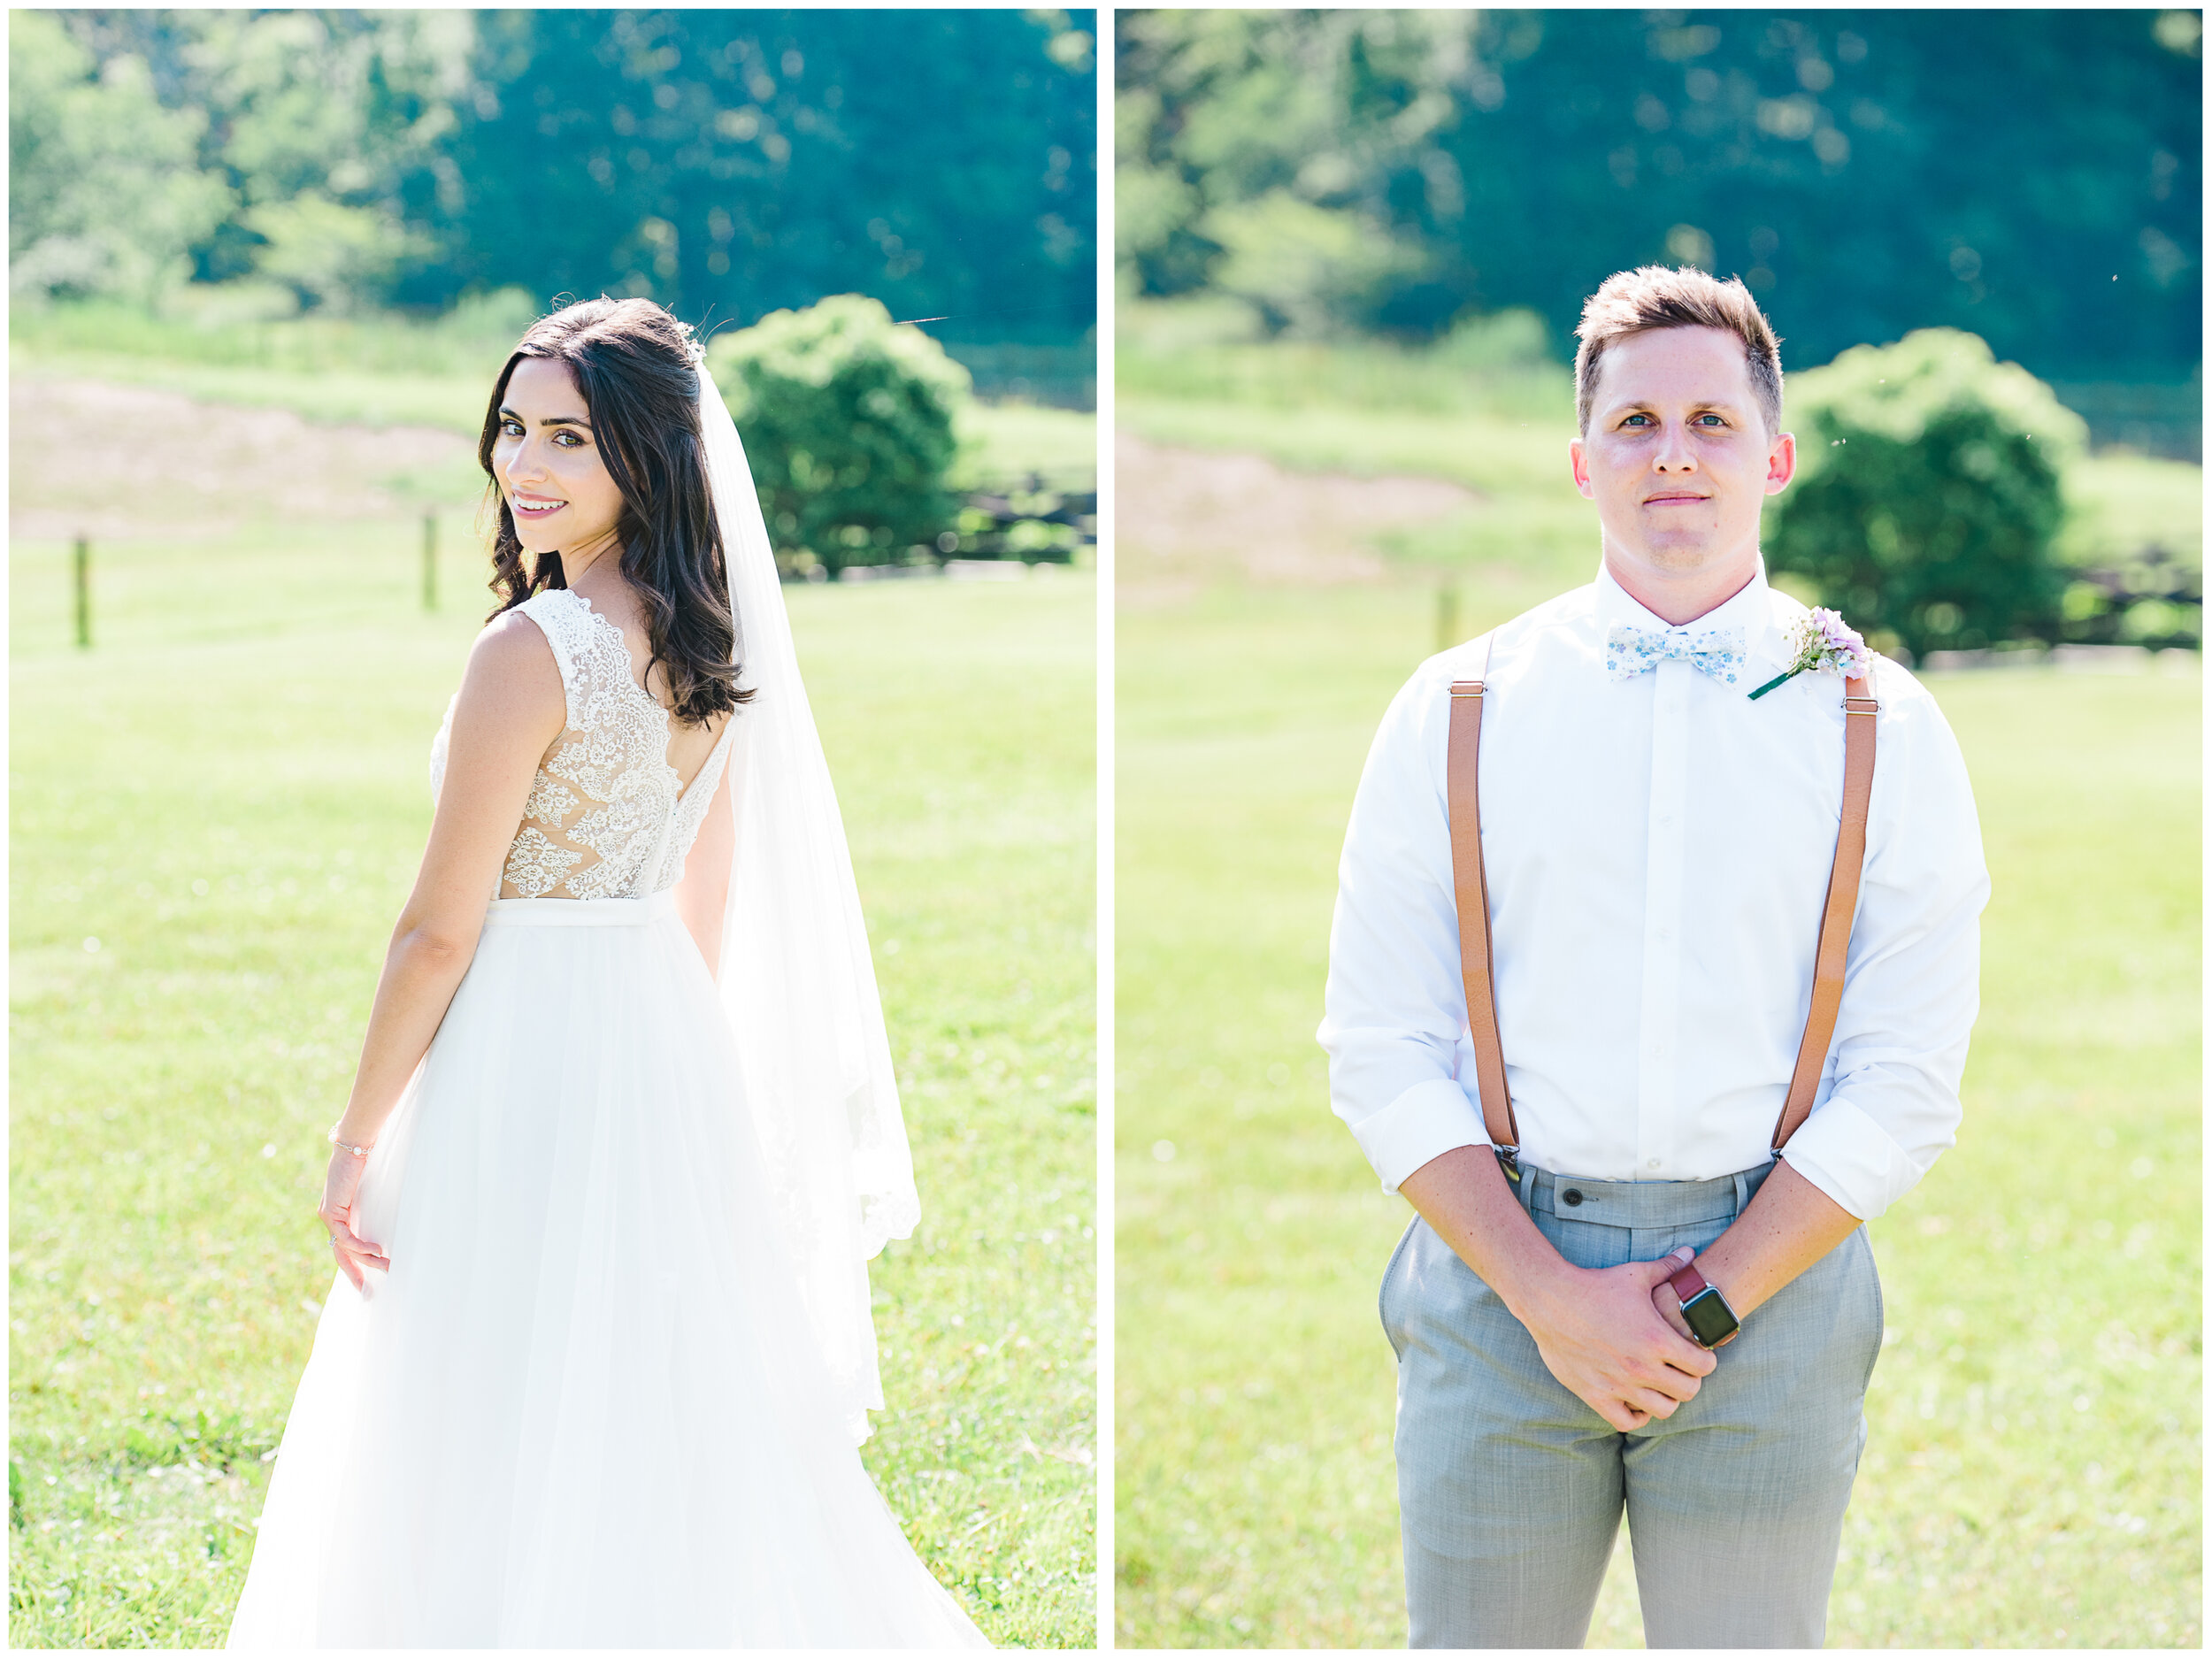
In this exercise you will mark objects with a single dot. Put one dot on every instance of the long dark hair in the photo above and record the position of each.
(634, 363)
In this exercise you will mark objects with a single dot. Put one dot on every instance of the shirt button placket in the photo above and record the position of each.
(1662, 975)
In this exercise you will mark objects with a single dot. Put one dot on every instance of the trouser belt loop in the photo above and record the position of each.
(1743, 1189)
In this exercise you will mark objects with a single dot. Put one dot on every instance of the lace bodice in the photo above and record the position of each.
(607, 816)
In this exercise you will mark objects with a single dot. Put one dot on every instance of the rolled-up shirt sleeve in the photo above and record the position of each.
(1395, 1009)
(1890, 1105)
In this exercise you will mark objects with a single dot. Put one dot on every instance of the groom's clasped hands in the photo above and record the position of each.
(1601, 1334)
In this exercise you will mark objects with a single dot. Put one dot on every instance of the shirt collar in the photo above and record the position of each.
(1751, 608)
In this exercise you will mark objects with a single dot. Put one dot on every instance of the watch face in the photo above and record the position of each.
(1709, 1319)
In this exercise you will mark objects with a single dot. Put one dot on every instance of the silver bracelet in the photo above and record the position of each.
(358, 1151)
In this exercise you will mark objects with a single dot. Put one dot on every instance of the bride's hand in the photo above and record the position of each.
(339, 1185)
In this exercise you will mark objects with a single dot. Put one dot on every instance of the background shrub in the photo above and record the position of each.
(1929, 492)
(847, 421)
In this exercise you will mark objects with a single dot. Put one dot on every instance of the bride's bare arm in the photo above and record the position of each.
(704, 892)
(512, 708)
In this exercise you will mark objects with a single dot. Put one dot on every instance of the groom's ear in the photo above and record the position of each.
(1781, 462)
(1579, 462)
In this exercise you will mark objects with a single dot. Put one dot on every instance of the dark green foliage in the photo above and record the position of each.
(1929, 493)
(725, 162)
(847, 423)
(2034, 176)
(940, 160)
(104, 195)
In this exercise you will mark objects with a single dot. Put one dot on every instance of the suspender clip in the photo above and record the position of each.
(1510, 1161)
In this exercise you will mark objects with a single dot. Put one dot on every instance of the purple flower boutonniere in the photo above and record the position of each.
(1825, 643)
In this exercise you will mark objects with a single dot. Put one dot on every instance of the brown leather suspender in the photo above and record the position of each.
(1859, 711)
(1461, 782)
(1471, 892)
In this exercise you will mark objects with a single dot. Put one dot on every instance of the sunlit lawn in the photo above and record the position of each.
(1000, 441)
(229, 793)
(2032, 1477)
(1515, 455)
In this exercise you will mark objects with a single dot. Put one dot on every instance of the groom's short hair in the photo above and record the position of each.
(1653, 296)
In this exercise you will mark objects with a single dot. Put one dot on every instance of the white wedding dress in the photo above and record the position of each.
(586, 1407)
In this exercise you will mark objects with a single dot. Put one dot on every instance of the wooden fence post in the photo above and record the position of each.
(84, 594)
(429, 561)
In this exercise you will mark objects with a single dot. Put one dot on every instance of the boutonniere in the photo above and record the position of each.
(1824, 643)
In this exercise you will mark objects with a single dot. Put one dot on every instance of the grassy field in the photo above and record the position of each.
(2033, 1476)
(1371, 410)
(215, 814)
(1000, 441)
(436, 375)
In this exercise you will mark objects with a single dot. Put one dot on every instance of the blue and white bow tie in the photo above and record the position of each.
(1718, 652)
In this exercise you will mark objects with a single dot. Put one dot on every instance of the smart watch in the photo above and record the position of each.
(1704, 1309)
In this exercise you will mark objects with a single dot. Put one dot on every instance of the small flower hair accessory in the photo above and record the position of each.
(695, 348)
(1824, 643)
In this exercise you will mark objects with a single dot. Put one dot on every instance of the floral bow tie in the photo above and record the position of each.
(1718, 652)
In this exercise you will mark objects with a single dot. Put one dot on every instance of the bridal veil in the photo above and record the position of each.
(796, 979)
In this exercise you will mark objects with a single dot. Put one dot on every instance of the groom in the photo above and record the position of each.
(1656, 846)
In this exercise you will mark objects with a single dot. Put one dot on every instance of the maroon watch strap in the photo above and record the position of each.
(1686, 1283)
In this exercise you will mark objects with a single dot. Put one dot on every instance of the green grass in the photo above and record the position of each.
(366, 397)
(2119, 504)
(1000, 442)
(2032, 1477)
(396, 371)
(1523, 452)
(1377, 411)
(229, 794)
(1006, 441)
(250, 325)
(1376, 376)
(377, 370)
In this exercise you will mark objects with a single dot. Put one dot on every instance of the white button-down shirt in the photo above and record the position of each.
(1657, 851)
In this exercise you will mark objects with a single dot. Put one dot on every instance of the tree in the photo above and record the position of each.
(106, 196)
(727, 163)
(848, 424)
(326, 128)
(2033, 177)
(1929, 492)
(744, 161)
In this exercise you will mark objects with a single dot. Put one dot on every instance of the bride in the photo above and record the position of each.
(624, 1132)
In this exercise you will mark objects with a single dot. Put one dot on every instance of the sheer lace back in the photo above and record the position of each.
(608, 817)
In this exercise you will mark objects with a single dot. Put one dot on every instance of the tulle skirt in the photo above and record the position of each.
(581, 1409)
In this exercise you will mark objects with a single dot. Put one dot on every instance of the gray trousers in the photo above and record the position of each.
(1510, 1489)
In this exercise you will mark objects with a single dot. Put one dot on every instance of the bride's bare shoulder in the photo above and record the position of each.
(512, 673)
